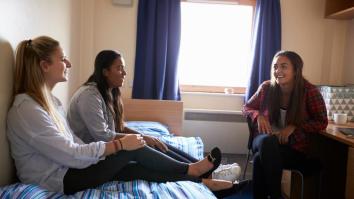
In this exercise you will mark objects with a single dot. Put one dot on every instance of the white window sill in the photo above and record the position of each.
(213, 94)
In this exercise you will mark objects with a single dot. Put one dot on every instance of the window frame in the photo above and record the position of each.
(218, 89)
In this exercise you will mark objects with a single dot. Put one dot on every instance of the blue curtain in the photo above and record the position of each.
(266, 42)
(157, 48)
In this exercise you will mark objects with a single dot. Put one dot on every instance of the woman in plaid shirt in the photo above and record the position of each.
(286, 109)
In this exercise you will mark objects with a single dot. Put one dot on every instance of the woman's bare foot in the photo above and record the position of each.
(200, 167)
(217, 185)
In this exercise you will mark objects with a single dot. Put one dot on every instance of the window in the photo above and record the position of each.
(215, 46)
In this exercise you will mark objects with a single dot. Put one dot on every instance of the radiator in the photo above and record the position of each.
(226, 129)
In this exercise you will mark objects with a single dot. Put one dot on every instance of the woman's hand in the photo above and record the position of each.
(132, 142)
(283, 135)
(263, 125)
(154, 142)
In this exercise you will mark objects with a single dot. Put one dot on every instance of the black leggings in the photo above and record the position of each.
(145, 163)
(179, 155)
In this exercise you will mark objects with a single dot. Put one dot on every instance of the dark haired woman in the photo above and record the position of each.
(96, 109)
(286, 109)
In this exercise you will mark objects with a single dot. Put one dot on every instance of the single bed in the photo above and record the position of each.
(162, 119)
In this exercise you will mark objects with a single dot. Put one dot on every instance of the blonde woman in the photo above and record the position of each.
(46, 152)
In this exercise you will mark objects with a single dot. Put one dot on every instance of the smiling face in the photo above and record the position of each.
(115, 74)
(56, 69)
(283, 71)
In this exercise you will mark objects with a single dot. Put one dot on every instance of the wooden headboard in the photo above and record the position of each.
(167, 112)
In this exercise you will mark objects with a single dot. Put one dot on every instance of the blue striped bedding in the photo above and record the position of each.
(132, 189)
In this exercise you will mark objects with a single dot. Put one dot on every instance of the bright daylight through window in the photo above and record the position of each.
(215, 44)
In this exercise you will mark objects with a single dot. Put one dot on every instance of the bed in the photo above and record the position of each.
(162, 119)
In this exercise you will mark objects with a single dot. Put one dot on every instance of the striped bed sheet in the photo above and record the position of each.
(131, 189)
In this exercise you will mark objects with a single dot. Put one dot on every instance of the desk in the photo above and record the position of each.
(333, 133)
(338, 156)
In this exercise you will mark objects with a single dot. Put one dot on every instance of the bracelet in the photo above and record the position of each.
(115, 145)
(121, 144)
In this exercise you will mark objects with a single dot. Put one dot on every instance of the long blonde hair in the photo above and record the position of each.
(29, 77)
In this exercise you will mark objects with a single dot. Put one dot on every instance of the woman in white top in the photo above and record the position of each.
(48, 154)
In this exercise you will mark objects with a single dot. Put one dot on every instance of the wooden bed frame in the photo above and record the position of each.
(167, 112)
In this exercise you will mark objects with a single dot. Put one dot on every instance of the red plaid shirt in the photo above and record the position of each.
(315, 113)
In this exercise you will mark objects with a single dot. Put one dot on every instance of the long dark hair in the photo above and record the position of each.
(112, 99)
(296, 103)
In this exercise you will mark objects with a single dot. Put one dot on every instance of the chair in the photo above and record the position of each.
(311, 167)
(251, 129)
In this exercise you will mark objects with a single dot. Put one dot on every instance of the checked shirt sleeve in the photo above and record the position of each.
(317, 114)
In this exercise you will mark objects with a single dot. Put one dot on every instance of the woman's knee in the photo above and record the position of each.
(268, 143)
(262, 142)
(256, 159)
(257, 164)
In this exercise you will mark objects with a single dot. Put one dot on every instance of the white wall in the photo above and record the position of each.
(348, 69)
(19, 20)
(321, 42)
(108, 26)
(56, 18)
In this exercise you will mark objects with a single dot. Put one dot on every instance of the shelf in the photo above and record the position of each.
(343, 14)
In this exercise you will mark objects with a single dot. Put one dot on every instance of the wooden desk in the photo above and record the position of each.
(333, 133)
(338, 157)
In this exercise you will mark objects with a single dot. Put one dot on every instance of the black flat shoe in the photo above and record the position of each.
(215, 158)
(237, 187)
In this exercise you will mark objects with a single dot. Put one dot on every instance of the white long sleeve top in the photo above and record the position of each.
(89, 117)
(41, 152)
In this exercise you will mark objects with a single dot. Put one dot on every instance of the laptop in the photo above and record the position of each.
(347, 131)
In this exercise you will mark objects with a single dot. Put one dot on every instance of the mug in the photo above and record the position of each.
(340, 118)
(228, 90)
